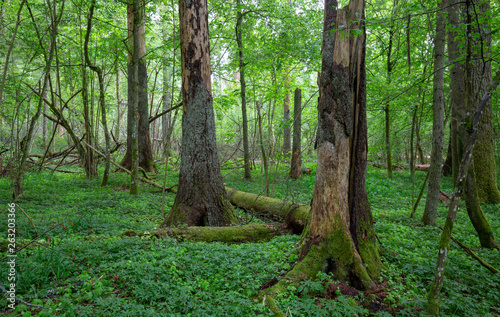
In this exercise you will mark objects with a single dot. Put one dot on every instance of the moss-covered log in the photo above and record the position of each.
(233, 234)
(294, 215)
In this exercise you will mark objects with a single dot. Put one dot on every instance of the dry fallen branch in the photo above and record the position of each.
(473, 255)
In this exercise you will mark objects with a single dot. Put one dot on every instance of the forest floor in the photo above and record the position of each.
(85, 267)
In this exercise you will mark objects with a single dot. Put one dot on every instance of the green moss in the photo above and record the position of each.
(272, 306)
(128, 233)
(370, 255)
(235, 234)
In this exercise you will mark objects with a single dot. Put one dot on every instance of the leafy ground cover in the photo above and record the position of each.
(87, 268)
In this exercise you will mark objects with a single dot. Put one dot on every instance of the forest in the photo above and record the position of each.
(249, 158)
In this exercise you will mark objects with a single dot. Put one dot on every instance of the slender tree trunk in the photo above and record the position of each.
(263, 150)
(287, 129)
(432, 201)
(296, 168)
(146, 160)
(388, 141)
(118, 100)
(9, 50)
(456, 83)
(21, 154)
(44, 124)
(201, 197)
(412, 157)
(246, 150)
(390, 65)
(102, 92)
(166, 104)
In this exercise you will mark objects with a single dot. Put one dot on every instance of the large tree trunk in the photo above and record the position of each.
(201, 198)
(432, 201)
(246, 150)
(484, 152)
(146, 160)
(296, 169)
(339, 237)
(473, 82)
(133, 96)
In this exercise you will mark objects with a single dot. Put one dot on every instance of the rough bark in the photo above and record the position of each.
(295, 168)
(146, 160)
(133, 96)
(201, 198)
(239, 40)
(484, 153)
(339, 237)
(474, 81)
(432, 201)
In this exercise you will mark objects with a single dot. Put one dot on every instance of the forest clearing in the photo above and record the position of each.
(249, 158)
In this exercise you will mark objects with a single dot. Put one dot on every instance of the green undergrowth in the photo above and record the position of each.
(86, 268)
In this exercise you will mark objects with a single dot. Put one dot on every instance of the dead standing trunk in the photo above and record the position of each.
(201, 198)
(339, 237)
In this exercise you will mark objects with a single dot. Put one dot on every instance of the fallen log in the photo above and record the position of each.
(400, 166)
(294, 215)
(232, 234)
(444, 197)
